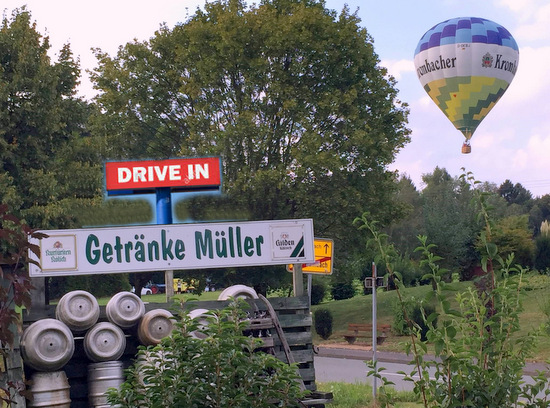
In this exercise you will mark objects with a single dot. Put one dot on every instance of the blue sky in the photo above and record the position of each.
(513, 142)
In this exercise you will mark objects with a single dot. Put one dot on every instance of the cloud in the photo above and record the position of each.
(533, 17)
(536, 28)
(532, 79)
(399, 67)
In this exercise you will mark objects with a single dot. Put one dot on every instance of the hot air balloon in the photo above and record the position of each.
(465, 65)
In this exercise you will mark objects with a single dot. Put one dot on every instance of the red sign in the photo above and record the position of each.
(173, 173)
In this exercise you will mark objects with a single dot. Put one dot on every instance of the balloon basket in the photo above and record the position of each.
(466, 148)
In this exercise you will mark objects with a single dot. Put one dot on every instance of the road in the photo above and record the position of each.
(355, 371)
(341, 365)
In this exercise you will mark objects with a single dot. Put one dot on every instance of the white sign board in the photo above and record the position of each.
(173, 247)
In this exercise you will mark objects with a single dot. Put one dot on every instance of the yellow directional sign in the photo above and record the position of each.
(324, 255)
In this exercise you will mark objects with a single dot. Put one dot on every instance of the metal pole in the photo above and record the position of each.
(374, 328)
(164, 216)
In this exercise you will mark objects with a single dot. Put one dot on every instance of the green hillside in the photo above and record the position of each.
(535, 297)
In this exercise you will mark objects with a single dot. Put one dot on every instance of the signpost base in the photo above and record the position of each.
(298, 280)
(169, 281)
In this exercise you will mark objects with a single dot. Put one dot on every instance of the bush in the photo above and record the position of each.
(221, 370)
(323, 323)
(318, 292)
(342, 290)
(413, 308)
(418, 318)
(542, 253)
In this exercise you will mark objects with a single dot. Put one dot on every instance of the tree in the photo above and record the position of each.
(403, 233)
(48, 170)
(288, 93)
(514, 193)
(449, 220)
(540, 212)
(512, 235)
(542, 249)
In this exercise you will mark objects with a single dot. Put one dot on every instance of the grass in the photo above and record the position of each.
(360, 396)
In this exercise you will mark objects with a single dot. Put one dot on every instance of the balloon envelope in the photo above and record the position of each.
(465, 65)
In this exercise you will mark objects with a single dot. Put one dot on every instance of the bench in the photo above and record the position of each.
(356, 330)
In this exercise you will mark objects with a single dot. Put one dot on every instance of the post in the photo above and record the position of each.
(164, 206)
(298, 280)
(374, 328)
(309, 282)
(164, 216)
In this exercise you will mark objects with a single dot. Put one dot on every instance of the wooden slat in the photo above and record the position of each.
(297, 320)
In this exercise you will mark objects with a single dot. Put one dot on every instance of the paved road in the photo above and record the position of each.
(390, 357)
(328, 369)
(345, 365)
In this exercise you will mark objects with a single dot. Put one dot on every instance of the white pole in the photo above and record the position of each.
(374, 328)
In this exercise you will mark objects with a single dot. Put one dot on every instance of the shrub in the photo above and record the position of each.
(419, 314)
(542, 253)
(323, 323)
(318, 292)
(413, 307)
(221, 370)
(342, 290)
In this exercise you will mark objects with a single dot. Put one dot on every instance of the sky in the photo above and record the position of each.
(512, 142)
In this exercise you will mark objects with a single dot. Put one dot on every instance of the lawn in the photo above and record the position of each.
(360, 396)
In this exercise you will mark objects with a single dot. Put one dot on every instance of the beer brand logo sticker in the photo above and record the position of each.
(58, 253)
(288, 241)
(487, 61)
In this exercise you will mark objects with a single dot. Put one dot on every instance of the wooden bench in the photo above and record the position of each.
(356, 330)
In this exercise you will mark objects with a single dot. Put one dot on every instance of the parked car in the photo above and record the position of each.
(144, 291)
(157, 287)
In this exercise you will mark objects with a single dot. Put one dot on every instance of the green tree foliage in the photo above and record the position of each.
(542, 250)
(403, 232)
(539, 212)
(288, 93)
(48, 170)
(479, 356)
(341, 290)
(542, 254)
(221, 370)
(514, 193)
(512, 236)
(449, 219)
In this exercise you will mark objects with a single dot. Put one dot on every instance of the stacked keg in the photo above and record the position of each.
(48, 345)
